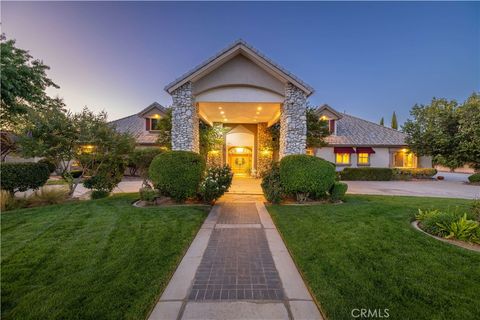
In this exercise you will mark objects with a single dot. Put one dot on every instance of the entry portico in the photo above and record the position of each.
(241, 90)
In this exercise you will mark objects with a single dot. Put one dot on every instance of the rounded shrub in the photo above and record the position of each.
(338, 190)
(177, 174)
(23, 176)
(304, 176)
(271, 184)
(474, 178)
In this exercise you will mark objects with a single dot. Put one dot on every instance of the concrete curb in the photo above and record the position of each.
(456, 243)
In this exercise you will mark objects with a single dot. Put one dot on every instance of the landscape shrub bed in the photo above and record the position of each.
(415, 173)
(177, 174)
(148, 194)
(366, 174)
(271, 184)
(452, 224)
(338, 191)
(23, 176)
(217, 181)
(303, 176)
(474, 178)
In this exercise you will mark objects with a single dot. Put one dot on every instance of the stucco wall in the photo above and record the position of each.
(380, 159)
(238, 71)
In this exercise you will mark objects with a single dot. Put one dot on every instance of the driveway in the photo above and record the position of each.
(453, 186)
(448, 188)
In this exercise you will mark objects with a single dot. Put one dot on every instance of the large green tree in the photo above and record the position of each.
(23, 84)
(86, 137)
(447, 131)
(469, 131)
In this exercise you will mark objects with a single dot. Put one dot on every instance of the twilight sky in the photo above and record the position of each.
(365, 58)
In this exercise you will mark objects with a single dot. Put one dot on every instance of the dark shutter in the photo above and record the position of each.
(147, 124)
(331, 126)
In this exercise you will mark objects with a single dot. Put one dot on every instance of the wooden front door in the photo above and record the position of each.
(240, 160)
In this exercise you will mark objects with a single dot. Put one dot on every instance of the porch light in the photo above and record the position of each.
(219, 108)
(156, 116)
(323, 118)
(88, 148)
(222, 112)
(259, 108)
(239, 149)
(225, 119)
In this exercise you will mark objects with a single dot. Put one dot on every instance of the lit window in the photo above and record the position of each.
(154, 124)
(404, 159)
(363, 158)
(342, 158)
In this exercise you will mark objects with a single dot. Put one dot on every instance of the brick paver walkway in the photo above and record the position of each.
(237, 264)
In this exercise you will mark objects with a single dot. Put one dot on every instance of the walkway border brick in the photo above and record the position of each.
(174, 304)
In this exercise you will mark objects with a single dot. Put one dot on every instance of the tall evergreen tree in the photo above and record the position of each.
(394, 124)
(382, 122)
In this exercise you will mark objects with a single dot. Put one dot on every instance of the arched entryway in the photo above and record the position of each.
(240, 160)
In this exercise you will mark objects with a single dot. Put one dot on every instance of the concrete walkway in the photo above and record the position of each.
(236, 268)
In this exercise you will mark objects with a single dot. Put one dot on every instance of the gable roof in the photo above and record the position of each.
(239, 47)
(135, 125)
(353, 131)
(154, 105)
(320, 109)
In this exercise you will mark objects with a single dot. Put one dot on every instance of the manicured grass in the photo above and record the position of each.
(56, 182)
(365, 254)
(100, 259)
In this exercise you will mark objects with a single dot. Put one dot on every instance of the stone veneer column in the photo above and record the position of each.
(264, 150)
(293, 122)
(185, 135)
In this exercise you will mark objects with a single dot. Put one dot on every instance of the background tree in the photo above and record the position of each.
(469, 131)
(433, 131)
(317, 129)
(394, 123)
(382, 122)
(23, 84)
(87, 137)
(165, 130)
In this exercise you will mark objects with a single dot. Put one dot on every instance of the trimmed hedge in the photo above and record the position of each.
(367, 174)
(23, 176)
(416, 173)
(474, 178)
(177, 174)
(304, 176)
(338, 190)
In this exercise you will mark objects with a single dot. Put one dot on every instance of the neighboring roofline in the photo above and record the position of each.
(231, 51)
(366, 145)
(378, 125)
(330, 109)
(152, 106)
(132, 115)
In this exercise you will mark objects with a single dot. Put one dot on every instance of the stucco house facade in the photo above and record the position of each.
(243, 92)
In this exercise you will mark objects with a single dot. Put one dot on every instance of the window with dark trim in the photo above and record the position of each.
(342, 158)
(154, 124)
(363, 159)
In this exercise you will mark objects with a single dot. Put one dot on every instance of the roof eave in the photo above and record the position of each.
(228, 53)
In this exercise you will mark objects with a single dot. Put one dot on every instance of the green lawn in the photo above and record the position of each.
(365, 254)
(100, 259)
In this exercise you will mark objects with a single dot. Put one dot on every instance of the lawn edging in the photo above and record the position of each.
(461, 244)
(292, 256)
